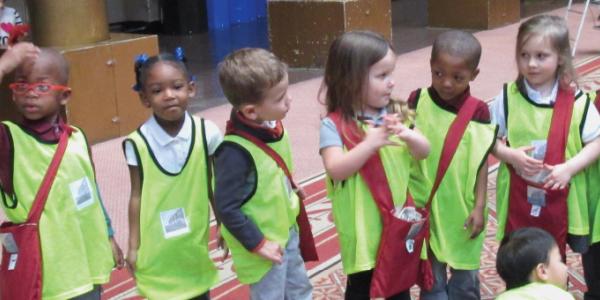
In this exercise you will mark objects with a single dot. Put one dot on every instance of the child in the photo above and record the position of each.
(75, 241)
(8, 17)
(591, 258)
(530, 263)
(253, 195)
(540, 113)
(169, 158)
(458, 208)
(358, 79)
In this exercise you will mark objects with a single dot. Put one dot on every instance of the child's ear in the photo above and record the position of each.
(144, 99)
(249, 111)
(474, 74)
(191, 88)
(540, 273)
(65, 96)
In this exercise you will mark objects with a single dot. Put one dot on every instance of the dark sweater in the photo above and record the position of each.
(235, 181)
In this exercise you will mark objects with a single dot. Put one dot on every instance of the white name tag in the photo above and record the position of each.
(81, 191)
(535, 211)
(410, 245)
(174, 222)
(12, 261)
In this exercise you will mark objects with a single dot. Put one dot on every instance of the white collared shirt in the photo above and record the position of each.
(591, 127)
(172, 152)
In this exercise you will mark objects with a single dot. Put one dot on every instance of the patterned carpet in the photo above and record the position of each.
(327, 276)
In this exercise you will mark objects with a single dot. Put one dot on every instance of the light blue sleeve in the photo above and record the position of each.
(329, 135)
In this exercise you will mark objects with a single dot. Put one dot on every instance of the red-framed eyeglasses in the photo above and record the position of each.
(40, 88)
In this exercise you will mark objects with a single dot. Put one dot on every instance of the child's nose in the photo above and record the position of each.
(169, 93)
(532, 62)
(447, 82)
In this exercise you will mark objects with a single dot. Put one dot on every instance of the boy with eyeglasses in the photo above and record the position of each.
(77, 247)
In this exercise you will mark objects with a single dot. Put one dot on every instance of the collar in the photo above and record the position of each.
(268, 135)
(453, 104)
(43, 130)
(163, 138)
(376, 118)
(537, 97)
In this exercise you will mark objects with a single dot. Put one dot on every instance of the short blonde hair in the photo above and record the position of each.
(246, 74)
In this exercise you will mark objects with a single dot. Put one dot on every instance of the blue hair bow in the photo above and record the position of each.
(179, 54)
(141, 58)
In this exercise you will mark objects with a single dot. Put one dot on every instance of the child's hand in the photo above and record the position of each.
(117, 253)
(131, 261)
(559, 177)
(524, 163)
(475, 222)
(394, 125)
(221, 244)
(301, 194)
(378, 137)
(271, 251)
(15, 55)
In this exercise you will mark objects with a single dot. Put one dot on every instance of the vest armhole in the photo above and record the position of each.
(13, 198)
(489, 150)
(209, 168)
(246, 153)
(414, 98)
(137, 157)
(11, 163)
(584, 117)
(505, 106)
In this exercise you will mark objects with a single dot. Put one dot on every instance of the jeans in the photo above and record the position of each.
(287, 280)
(463, 284)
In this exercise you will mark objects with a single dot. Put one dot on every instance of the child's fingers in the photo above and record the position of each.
(526, 148)
(553, 184)
(278, 257)
(370, 123)
(131, 267)
(391, 143)
(476, 231)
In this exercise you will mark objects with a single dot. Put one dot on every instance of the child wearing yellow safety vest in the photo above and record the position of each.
(169, 163)
(264, 223)
(77, 247)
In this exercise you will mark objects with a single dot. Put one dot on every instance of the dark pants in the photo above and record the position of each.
(359, 285)
(591, 270)
(91, 295)
(205, 296)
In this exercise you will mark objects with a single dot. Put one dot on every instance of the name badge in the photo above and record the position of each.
(174, 222)
(535, 211)
(410, 245)
(81, 191)
(12, 261)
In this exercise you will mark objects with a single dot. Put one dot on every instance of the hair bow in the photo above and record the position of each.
(179, 54)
